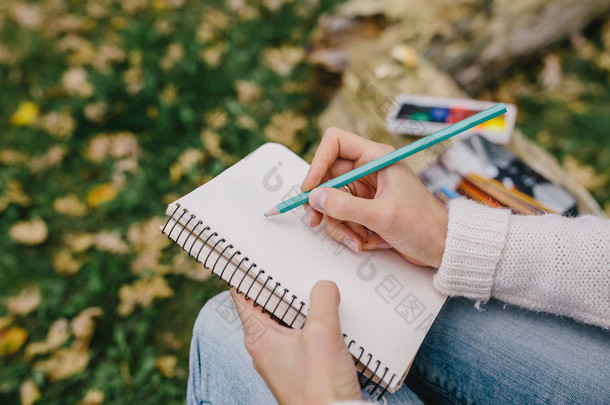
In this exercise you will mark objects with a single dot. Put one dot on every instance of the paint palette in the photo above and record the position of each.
(423, 115)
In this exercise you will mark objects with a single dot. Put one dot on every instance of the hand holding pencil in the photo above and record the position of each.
(391, 202)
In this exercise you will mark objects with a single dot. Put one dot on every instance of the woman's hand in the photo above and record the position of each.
(307, 366)
(391, 202)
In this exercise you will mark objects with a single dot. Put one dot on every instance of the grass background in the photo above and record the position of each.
(109, 110)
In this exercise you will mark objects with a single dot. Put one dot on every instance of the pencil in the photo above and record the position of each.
(394, 156)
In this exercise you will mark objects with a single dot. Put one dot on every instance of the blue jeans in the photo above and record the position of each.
(498, 355)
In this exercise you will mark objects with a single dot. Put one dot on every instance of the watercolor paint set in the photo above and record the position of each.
(423, 115)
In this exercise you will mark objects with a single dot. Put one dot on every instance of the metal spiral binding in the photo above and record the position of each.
(212, 247)
(197, 232)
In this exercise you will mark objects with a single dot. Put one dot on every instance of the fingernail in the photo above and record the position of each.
(317, 199)
(384, 245)
(309, 213)
(350, 243)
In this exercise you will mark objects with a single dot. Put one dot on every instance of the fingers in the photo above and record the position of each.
(336, 144)
(342, 232)
(344, 206)
(324, 310)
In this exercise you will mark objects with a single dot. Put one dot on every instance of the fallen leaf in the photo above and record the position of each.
(167, 365)
(92, 397)
(29, 391)
(284, 59)
(24, 303)
(147, 242)
(26, 114)
(6, 321)
(59, 124)
(64, 363)
(83, 324)
(551, 74)
(142, 293)
(51, 158)
(79, 242)
(58, 334)
(185, 162)
(101, 194)
(247, 92)
(211, 143)
(284, 128)
(11, 340)
(111, 242)
(585, 174)
(64, 263)
(76, 83)
(29, 233)
(70, 205)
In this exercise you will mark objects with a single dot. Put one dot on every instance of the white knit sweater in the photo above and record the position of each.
(544, 263)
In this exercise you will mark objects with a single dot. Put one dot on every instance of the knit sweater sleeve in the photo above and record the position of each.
(544, 263)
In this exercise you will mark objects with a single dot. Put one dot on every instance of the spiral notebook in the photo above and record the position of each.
(387, 304)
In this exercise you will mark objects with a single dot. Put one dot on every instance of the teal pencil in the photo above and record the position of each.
(394, 156)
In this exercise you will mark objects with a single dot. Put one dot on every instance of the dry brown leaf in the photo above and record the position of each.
(111, 242)
(147, 242)
(92, 397)
(59, 124)
(6, 321)
(52, 157)
(185, 162)
(64, 363)
(79, 242)
(24, 303)
(284, 59)
(247, 92)
(70, 205)
(212, 55)
(167, 365)
(284, 128)
(29, 392)
(214, 22)
(142, 293)
(174, 54)
(187, 266)
(95, 112)
(75, 82)
(585, 174)
(64, 263)
(211, 143)
(11, 157)
(58, 334)
(29, 233)
(12, 339)
(83, 324)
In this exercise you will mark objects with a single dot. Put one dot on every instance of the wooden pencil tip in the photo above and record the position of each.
(273, 211)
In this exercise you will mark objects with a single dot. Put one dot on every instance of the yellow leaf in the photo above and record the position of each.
(26, 114)
(167, 365)
(101, 194)
(24, 303)
(11, 340)
(585, 174)
(186, 161)
(29, 392)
